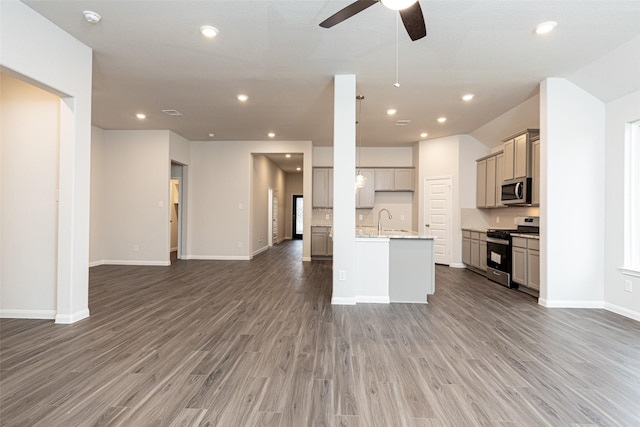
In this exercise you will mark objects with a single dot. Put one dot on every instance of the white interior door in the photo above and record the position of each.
(437, 216)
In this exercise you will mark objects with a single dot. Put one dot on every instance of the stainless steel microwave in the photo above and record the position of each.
(516, 192)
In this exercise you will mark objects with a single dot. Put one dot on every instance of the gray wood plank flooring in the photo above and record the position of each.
(257, 343)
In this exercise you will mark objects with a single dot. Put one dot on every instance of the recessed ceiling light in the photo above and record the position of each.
(209, 31)
(424, 135)
(91, 16)
(442, 119)
(467, 97)
(141, 116)
(271, 134)
(287, 156)
(211, 135)
(545, 27)
(398, 4)
(391, 111)
(298, 169)
(242, 97)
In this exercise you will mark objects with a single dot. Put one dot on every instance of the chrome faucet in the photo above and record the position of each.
(379, 213)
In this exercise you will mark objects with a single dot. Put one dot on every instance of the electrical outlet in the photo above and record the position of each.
(497, 220)
(326, 216)
(342, 275)
(160, 204)
(360, 217)
(401, 217)
(239, 244)
(240, 206)
(259, 239)
(628, 286)
(136, 248)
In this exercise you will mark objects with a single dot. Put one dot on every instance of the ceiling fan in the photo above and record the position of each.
(410, 12)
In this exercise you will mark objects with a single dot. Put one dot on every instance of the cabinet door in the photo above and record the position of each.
(521, 156)
(318, 244)
(365, 196)
(330, 188)
(384, 179)
(466, 251)
(535, 172)
(483, 255)
(507, 166)
(490, 187)
(481, 184)
(320, 186)
(499, 177)
(519, 266)
(403, 179)
(533, 269)
(475, 253)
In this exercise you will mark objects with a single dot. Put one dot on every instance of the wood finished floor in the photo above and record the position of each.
(237, 343)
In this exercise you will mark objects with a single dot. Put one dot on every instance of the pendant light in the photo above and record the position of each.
(361, 180)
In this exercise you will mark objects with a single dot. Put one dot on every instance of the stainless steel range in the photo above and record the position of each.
(499, 249)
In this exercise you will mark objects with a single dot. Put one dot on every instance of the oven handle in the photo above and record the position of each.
(498, 241)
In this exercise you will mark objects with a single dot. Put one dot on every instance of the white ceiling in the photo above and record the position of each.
(150, 56)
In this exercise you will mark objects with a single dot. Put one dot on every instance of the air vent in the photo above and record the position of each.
(403, 122)
(172, 112)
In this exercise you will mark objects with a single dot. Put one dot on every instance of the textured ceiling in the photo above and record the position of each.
(150, 56)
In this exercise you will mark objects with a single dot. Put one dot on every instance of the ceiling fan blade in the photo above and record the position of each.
(347, 12)
(414, 21)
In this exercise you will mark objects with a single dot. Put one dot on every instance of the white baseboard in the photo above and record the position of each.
(457, 265)
(174, 249)
(133, 262)
(27, 314)
(622, 311)
(73, 317)
(306, 258)
(343, 301)
(259, 251)
(219, 257)
(95, 263)
(371, 299)
(570, 303)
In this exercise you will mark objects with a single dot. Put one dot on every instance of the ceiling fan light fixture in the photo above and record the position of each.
(398, 4)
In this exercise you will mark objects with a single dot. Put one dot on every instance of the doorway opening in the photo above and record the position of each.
(176, 211)
(297, 225)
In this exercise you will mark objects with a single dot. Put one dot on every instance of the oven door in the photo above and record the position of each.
(499, 261)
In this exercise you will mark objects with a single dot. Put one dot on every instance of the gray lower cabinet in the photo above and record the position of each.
(474, 250)
(525, 268)
(321, 241)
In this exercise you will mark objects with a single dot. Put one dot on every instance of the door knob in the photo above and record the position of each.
(426, 225)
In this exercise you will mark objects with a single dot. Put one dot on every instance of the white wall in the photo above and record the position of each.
(455, 157)
(619, 112)
(134, 198)
(220, 195)
(266, 175)
(572, 150)
(97, 224)
(37, 51)
(29, 151)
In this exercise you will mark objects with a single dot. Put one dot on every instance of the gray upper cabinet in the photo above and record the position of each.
(394, 179)
(365, 196)
(322, 188)
(517, 154)
(535, 172)
(489, 181)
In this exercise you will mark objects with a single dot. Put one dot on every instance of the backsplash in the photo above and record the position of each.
(494, 218)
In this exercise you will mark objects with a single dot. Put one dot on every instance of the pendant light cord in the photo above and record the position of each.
(397, 84)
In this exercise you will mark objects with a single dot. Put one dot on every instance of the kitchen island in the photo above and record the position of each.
(393, 266)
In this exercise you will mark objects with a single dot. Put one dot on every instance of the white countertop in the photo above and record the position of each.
(389, 233)
(526, 235)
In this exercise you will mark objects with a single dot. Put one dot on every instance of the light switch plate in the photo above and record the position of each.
(628, 286)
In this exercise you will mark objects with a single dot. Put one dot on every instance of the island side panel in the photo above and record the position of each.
(372, 270)
(411, 270)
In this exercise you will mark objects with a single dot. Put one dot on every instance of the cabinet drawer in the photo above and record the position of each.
(534, 244)
(519, 242)
(466, 233)
(483, 237)
(475, 235)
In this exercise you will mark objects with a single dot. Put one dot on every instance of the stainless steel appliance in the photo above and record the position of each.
(499, 249)
(516, 192)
